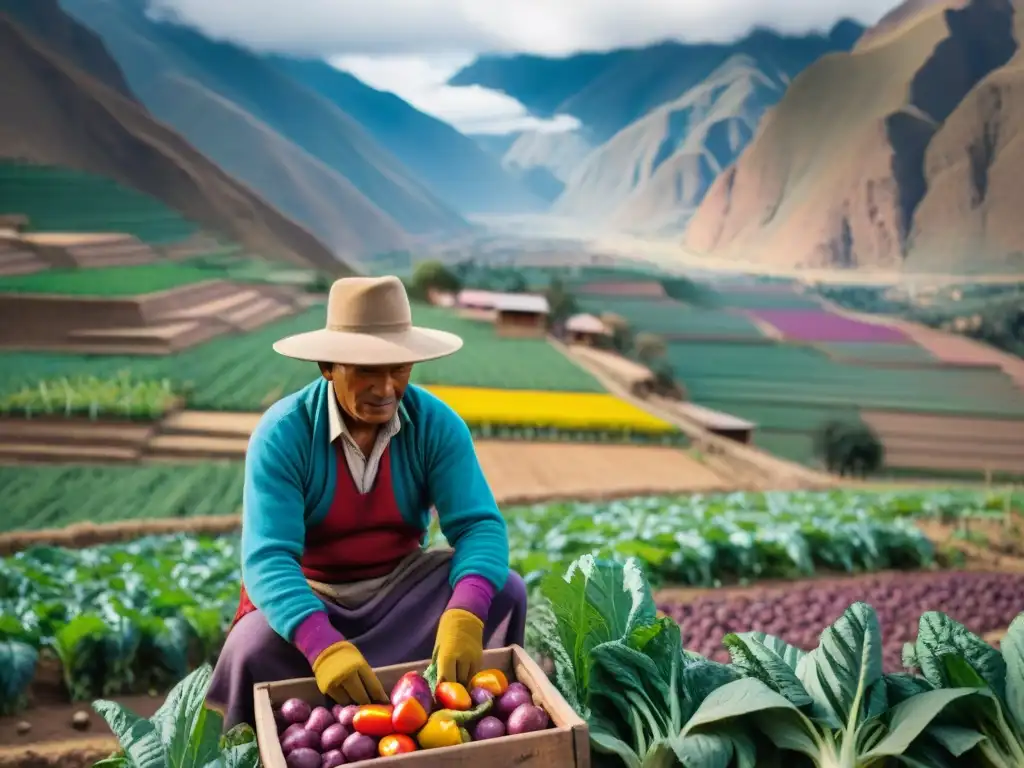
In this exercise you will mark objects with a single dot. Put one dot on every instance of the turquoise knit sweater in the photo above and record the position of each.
(290, 474)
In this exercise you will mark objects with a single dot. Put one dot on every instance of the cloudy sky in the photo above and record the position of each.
(411, 47)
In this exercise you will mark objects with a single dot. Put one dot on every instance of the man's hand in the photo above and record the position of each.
(459, 647)
(343, 674)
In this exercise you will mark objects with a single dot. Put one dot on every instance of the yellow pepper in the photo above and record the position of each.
(439, 732)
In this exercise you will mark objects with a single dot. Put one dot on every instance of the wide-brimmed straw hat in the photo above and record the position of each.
(369, 322)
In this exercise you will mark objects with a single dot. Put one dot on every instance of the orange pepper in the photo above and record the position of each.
(409, 716)
(374, 720)
(491, 680)
(453, 696)
(396, 744)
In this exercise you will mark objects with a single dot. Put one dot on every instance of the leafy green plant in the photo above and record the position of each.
(949, 655)
(184, 732)
(17, 669)
(833, 703)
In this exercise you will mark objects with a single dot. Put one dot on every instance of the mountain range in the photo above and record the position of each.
(904, 153)
(657, 124)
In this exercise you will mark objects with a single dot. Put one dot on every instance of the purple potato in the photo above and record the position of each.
(320, 719)
(359, 746)
(413, 686)
(479, 695)
(488, 728)
(303, 758)
(332, 759)
(301, 740)
(293, 728)
(518, 687)
(296, 710)
(345, 715)
(333, 737)
(510, 700)
(527, 718)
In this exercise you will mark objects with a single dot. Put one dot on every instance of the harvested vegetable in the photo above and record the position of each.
(462, 716)
(396, 744)
(488, 727)
(408, 716)
(439, 732)
(296, 711)
(320, 719)
(333, 737)
(344, 715)
(479, 695)
(332, 759)
(413, 685)
(303, 758)
(527, 718)
(453, 696)
(492, 680)
(359, 746)
(513, 698)
(374, 720)
(301, 739)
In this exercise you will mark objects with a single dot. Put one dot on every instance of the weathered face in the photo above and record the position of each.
(369, 394)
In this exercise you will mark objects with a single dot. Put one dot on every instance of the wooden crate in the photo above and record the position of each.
(565, 745)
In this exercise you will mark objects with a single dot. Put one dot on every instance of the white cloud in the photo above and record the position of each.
(552, 27)
(421, 81)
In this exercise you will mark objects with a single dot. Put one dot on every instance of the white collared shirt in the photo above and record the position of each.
(363, 468)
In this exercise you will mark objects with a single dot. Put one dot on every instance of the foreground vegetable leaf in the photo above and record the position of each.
(1012, 649)
(955, 739)
(842, 672)
(746, 696)
(755, 655)
(938, 635)
(611, 745)
(139, 738)
(908, 720)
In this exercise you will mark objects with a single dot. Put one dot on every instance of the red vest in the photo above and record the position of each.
(363, 536)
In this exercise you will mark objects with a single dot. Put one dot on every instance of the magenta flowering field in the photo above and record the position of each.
(819, 325)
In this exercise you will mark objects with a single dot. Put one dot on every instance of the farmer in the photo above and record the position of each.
(340, 478)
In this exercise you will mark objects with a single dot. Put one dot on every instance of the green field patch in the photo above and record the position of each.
(880, 353)
(110, 282)
(59, 199)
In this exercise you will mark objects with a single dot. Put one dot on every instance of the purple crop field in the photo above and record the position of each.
(819, 325)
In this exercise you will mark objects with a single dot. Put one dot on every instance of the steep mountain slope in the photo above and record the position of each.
(841, 170)
(608, 91)
(44, 20)
(559, 152)
(654, 172)
(974, 178)
(323, 200)
(56, 114)
(150, 51)
(452, 165)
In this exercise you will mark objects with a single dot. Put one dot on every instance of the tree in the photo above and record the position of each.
(849, 448)
(649, 347)
(561, 303)
(432, 275)
(622, 335)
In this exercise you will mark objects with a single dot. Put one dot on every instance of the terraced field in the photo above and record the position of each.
(672, 319)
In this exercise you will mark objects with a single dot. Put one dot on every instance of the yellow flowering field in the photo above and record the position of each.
(591, 411)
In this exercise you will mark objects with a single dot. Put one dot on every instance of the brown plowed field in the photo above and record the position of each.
(951, 348)
(929, 441)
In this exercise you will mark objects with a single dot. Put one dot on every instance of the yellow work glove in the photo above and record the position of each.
(343, 674)
(459, 646)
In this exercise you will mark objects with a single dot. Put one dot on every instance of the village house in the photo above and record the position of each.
(521, 315)
(587, 330)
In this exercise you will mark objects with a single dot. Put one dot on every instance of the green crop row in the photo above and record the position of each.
(89, 396)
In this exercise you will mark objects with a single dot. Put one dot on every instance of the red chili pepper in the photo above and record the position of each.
(409, 716)
(453, 696)
(396, 744)
(491, 680)
(374, 720)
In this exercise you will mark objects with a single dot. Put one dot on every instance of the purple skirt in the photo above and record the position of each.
(396, 626)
